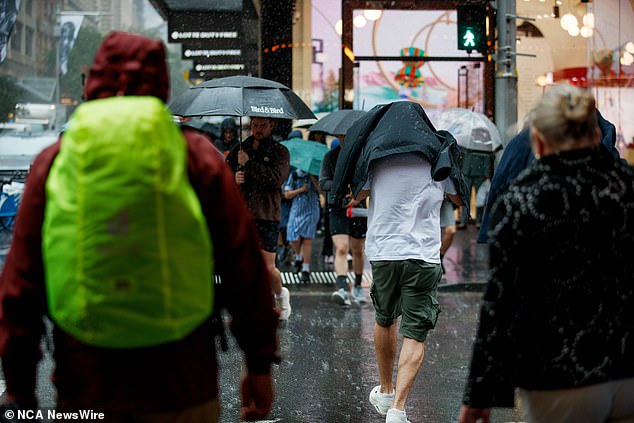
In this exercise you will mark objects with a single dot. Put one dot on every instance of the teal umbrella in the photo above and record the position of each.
(306, 155)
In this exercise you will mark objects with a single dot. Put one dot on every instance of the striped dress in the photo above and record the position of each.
(304, 213)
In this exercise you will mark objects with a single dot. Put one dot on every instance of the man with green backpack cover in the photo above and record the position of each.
(123, 224)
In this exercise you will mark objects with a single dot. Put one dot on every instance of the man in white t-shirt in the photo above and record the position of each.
(403, 247)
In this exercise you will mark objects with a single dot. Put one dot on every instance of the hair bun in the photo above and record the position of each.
(577, 106)
(564, 112)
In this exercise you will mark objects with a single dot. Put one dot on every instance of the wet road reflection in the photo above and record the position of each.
(329, 365)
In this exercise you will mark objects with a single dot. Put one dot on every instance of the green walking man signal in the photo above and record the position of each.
(468, 38)
(472, 31)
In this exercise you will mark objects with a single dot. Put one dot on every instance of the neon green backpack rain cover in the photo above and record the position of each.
(127, 253)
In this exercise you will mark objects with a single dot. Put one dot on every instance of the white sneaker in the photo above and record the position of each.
(341, 297)
(359, 296)
(396, 416)
(381, 402)
(283, 303)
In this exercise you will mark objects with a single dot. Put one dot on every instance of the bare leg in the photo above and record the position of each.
(385, 347)
(358, 248)
(276, 276)
(341, 253)
(297, 245)
(448, 234)
(307, 249)
(409, 362)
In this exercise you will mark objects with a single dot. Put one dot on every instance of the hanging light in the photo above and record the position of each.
(588, 20)
(586, 31)
(359, 21)
(372, 14)
(541, 80)
(627, 59)
(573, 31)
(568, 20)
(629, 47)
(339, 27)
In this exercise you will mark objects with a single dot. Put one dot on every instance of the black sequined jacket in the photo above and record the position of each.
(558, 311)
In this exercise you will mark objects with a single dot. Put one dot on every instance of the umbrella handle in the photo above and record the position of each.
(240, 133)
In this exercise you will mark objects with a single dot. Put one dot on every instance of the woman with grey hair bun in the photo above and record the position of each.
(557, 319)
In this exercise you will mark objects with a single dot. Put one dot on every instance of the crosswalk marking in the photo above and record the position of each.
(322, 278)
(318, 278)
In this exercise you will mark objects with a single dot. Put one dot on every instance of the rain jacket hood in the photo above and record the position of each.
(128, 64)
(229, 123)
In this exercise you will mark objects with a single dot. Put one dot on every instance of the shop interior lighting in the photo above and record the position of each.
(568, 21)
(359, 21)
(586, 31)
(372, 14)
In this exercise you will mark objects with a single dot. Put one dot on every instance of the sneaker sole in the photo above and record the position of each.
(337, 299)
(398, 419)
(381, 409)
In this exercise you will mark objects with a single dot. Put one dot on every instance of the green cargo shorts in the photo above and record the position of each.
(406, 288)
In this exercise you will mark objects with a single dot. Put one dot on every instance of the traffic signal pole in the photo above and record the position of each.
(506, 73)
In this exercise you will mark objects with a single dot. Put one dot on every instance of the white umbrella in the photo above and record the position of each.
(472, 130)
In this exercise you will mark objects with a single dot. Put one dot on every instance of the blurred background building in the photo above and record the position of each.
(301, 43)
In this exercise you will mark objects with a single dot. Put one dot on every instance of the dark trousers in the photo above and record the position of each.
(326, 247)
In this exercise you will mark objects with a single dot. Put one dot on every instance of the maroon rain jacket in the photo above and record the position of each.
(165, 377)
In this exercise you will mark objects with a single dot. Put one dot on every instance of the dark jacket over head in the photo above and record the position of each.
(394, 128)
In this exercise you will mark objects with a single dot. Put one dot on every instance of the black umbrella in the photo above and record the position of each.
(394, 128)
(337, 122)
(240, 96)
(203, 126)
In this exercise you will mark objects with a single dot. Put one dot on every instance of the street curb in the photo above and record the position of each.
(462, 286)
(327, 289)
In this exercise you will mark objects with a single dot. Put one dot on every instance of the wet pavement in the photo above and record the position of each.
(329, 366)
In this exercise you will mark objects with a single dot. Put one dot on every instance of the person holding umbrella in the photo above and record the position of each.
(261, 165)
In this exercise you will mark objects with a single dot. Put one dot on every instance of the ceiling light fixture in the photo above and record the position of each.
(568, 20)
(372, 14)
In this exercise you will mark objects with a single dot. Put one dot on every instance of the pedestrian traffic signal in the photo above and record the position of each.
(472, 33)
